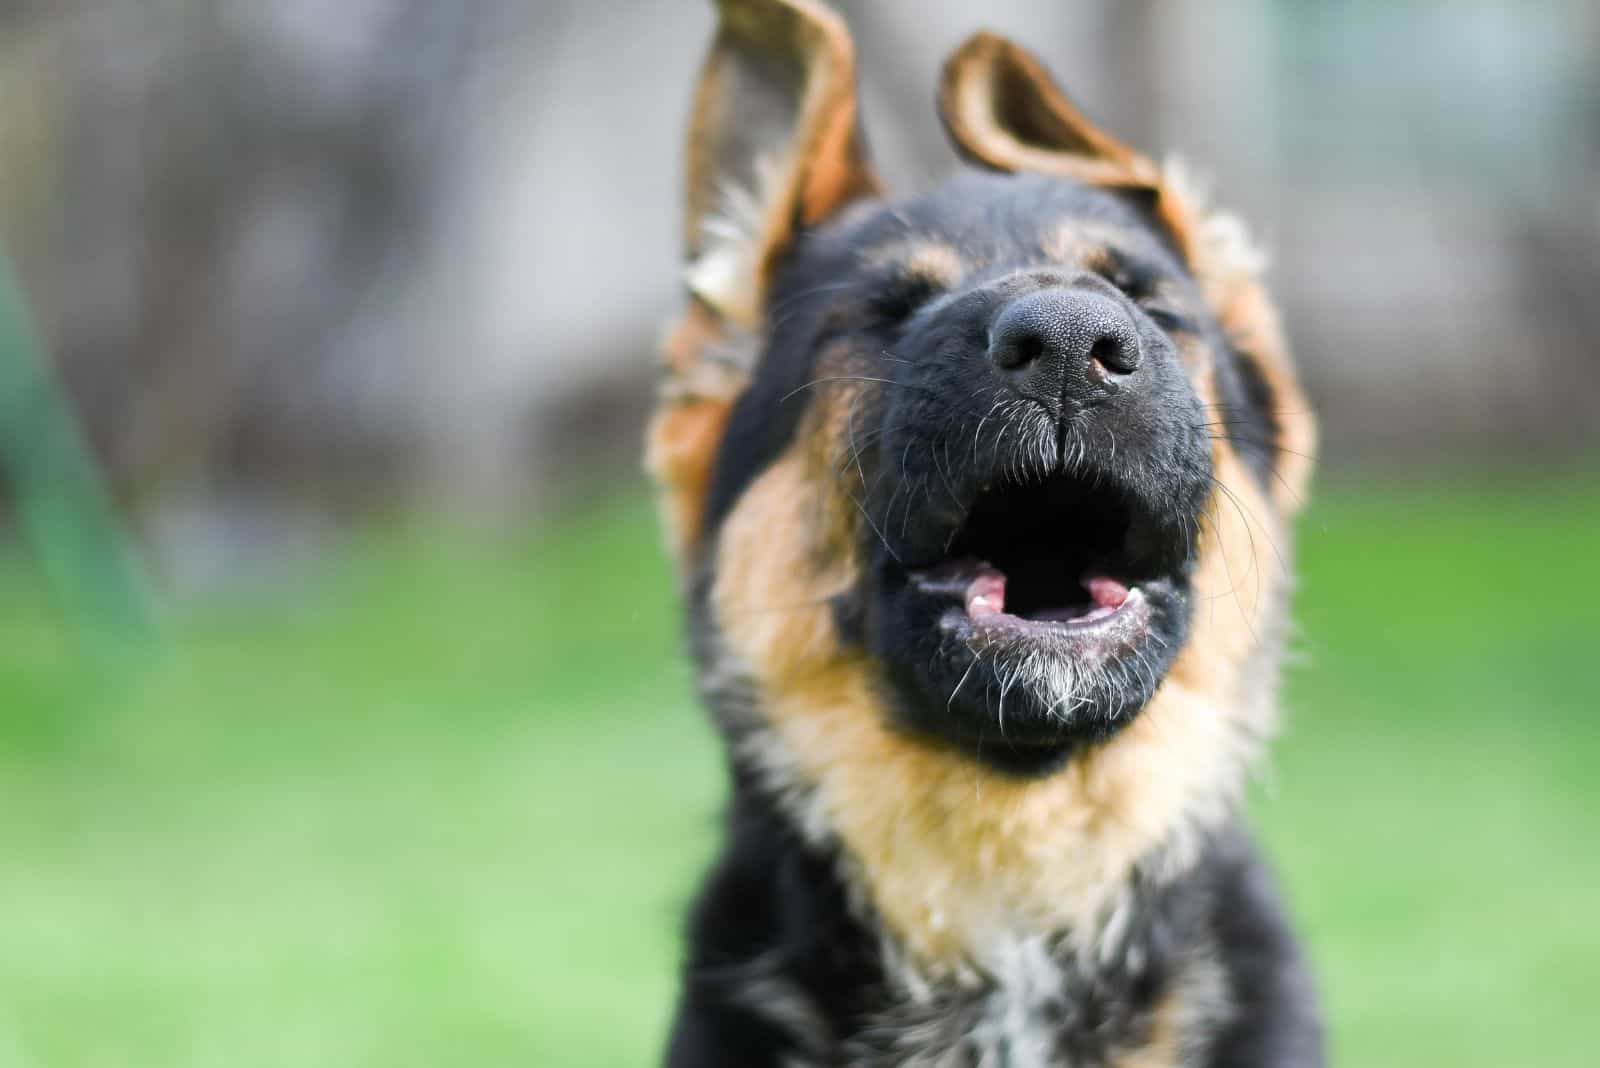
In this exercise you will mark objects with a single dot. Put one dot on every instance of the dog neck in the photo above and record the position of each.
(947, 853)
(960, 864)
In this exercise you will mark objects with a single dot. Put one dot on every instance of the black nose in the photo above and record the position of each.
(1064, 343)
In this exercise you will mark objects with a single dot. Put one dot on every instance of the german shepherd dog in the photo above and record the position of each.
(980, 500)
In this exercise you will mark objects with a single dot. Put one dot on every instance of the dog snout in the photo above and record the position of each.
(1064, 345)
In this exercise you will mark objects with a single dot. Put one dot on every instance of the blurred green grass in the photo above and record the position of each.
(444, 802)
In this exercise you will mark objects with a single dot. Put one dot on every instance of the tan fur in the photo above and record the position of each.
(813, 169)
(1187, 1016)
(1081, 241)
(1164, 1047)
(990, 86)
(1002, 110)
(817, 170)
(936, 263)
(680, 447)
(951, 853)
(681, 443)
(1229, 267)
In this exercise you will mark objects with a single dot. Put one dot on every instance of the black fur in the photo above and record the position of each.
(772, 906)
(927, 445)
(788, 965)
(776, 909)
(1246, 412)
(824, 288)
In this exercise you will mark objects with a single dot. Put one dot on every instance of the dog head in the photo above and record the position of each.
(990, 481)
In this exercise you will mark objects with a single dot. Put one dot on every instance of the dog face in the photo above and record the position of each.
(1040, 467)
(1002, 378)
(990, 481)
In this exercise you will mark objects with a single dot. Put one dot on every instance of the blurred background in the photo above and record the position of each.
(343, 718)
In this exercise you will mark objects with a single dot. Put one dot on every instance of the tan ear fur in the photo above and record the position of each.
(1003, 111)
(696, 400)
(1229, 268)
(774, 145)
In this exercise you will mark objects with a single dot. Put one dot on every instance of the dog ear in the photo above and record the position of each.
(1002, 111)
(774, 146)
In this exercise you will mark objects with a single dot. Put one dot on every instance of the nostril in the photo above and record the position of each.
(1029, 348)
(1054, 334)
(1112, 356)
(1016, 348)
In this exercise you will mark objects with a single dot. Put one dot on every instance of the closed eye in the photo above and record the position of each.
(1134, 277)
(1141, 282)
(1165, 317)
(898, 298)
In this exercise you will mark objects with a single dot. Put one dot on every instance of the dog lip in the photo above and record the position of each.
(1087, 641)
(981, 588)
(1093, 634)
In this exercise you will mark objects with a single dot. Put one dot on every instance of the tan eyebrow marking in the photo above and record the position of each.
(929, 261)
(1082, 241)
(1096, 246)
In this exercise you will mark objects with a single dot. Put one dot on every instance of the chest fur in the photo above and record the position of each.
(1150, 1003)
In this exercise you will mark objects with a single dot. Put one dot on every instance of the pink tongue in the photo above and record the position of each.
(1106, 592)
(986, 596)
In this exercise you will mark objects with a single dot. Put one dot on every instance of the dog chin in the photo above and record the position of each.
(1041, 620)
(1022, 694)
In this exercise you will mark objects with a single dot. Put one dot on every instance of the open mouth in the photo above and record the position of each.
(1060, 558)
(1040, 614)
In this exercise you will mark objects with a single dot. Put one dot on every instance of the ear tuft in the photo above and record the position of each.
(726, 250)
(1228, 265)
(774, 145)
